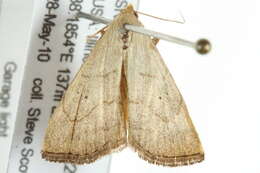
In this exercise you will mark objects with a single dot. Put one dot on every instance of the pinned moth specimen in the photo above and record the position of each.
(123, 95)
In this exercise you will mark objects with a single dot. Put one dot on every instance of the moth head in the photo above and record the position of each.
(127, 16)
(129, 10)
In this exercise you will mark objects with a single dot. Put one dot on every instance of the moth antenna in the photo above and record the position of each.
(101, 31)
(168, 20)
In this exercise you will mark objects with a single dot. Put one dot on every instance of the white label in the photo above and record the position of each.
(1, 6)
(57, 49)
(14, 43)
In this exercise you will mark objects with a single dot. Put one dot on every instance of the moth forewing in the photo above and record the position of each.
(123, 87)
(89, 121)
(159, 126)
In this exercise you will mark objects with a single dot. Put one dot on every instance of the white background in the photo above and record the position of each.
(222, 90)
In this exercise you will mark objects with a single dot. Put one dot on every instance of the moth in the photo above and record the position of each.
(123, 95)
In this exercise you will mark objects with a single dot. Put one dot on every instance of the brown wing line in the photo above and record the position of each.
(84, 159)
(94, 107)
(166, 160)
(75, 119)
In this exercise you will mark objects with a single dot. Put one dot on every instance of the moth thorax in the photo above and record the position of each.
(124, 38)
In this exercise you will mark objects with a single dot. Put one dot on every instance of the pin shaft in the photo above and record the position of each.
(93, 18)
(160, 35)
(206, 46)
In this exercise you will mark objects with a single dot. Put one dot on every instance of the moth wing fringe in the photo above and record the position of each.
(165, 160)
(82, 159)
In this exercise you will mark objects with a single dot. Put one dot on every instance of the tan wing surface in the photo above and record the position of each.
(89, 122)
(159, 126)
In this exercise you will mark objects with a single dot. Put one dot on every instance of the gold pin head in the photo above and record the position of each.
(203, 46)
